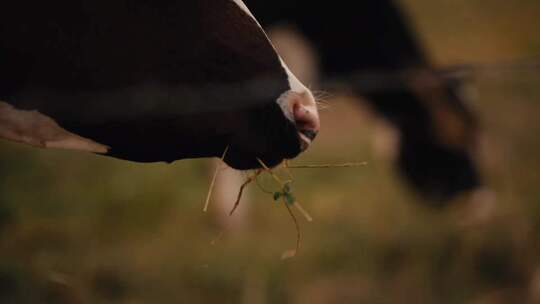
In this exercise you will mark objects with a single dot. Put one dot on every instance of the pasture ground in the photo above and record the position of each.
(77, 228)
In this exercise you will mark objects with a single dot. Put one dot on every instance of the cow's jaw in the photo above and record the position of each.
(298, 104)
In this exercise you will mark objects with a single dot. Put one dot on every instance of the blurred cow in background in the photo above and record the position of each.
(350, 40)
(195, 78)
(369, 46)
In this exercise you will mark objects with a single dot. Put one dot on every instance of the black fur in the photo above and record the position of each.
(154, 80)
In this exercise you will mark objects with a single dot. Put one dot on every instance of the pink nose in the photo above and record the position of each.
(306, 116)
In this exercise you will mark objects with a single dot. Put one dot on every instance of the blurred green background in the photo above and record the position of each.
(80, 228)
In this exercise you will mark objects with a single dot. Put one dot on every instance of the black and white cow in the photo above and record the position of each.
(166, 80)
(437, 131)
(149, 81)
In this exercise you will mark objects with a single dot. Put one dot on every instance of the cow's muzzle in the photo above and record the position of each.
(301, 109)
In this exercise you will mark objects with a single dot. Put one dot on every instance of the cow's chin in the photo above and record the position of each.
(271, 139)
(242, 160)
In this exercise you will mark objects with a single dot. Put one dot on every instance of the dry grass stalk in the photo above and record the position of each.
(244, 185)
(285, 193)
(325, 166)
(292, 253)
(285, 185)
(213, 183)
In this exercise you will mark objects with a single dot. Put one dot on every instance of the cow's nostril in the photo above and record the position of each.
(305, 118)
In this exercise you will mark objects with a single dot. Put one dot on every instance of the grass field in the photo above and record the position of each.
(79, 228)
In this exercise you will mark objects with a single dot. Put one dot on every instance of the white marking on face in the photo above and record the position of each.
(36, 129)
(297, 51)
(298, 104)
(243, 6)
(294, 83)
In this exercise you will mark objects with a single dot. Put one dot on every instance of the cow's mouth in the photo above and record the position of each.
(276, 133)
(306, 137)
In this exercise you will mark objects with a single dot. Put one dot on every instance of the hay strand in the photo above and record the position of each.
(213, 183)
(241, 192)
(326, 166)
(293, 253)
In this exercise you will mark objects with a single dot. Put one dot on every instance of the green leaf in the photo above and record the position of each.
(289, 198)
(277, 195)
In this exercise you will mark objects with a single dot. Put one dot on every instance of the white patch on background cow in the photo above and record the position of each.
(36, 129)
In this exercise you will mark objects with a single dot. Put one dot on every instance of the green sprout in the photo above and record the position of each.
(284, 194)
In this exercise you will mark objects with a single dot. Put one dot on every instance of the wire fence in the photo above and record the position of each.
(372, 81)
